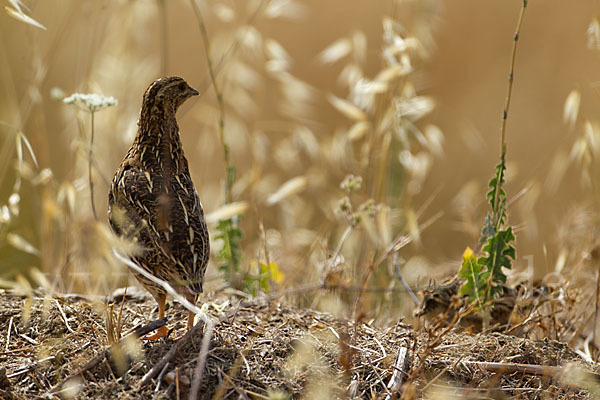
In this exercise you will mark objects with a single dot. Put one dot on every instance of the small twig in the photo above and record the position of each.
(30, 340)
(199, 371)
(223, 385)
(510, 330)
(245, 360)
(29, 367)
(379, 377)
(86, 382)
(436, 377)
(110, 326)
(384, 355)
(160, 378)
(239, 391)
(109, 368)
(159, 366)
(21, 350)
(90, 161)
(402, 240)
(62, 313)
(400, 372)
(119, 326)
(257, 395)
(403, 281)
(339, 247)
(8, 332)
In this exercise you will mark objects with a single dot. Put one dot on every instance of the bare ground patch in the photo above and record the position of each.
(267, 349)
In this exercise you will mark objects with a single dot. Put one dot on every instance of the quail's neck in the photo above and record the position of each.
(158, 135)
(157, 123)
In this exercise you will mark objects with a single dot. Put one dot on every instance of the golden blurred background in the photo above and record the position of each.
(278, 70)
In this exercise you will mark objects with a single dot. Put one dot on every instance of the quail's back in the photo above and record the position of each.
(153, 201)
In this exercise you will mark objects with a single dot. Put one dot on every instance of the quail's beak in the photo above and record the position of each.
(192, 92)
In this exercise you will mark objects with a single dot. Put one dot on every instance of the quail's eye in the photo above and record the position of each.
(182, 86)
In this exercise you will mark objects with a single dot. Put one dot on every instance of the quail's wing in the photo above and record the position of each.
(190, 244)
(132, 203)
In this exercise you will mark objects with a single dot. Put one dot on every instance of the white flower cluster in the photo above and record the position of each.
(91, 101)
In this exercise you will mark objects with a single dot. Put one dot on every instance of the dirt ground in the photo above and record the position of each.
(267, 350)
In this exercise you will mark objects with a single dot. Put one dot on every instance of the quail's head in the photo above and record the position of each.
(168, 93)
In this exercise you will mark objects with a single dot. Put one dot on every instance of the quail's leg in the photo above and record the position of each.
(163, 330)
(190, 319)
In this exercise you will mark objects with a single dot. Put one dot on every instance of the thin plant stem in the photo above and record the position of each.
(596, 309)
(363, 286)
(338, 249)
(511, 75)
(219, 95)
(343, 239)
(90, 162)
(164, 43)
(231, 50)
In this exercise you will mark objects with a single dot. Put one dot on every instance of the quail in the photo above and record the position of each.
(153, 201)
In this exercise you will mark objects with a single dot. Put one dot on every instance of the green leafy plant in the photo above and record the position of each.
(484, 274)
(266, 273)
(230, 255)
(229, 231)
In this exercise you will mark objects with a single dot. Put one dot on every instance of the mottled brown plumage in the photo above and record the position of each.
(153, 201)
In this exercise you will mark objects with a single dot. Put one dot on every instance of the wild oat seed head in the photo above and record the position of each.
(571, 109)
(4, 215)
(13, 203)
(593, 33)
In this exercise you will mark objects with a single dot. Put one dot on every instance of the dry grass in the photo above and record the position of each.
(288, 165)
(267, 349)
